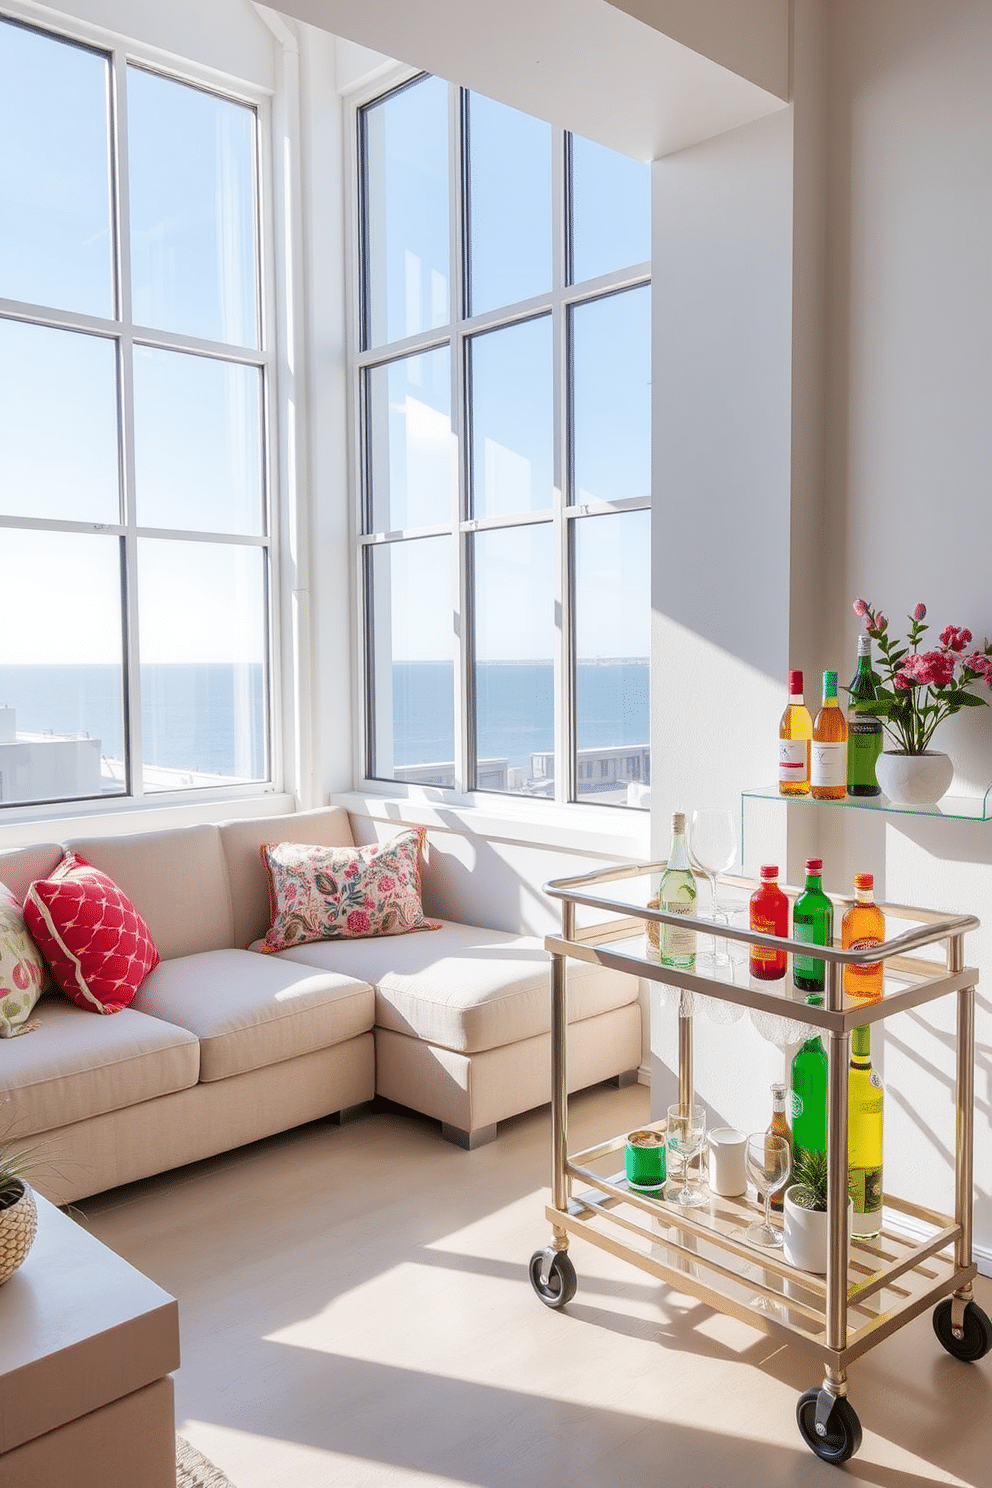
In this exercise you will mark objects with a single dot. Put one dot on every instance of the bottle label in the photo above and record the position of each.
(865, 1188)
(792, 760)
(676, 943)
(865, 725)
(764, 956)
(809, 967)
(795, 1105)
(829, 763)
(864, 968)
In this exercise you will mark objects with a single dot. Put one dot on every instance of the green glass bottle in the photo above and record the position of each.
(864, 1136)
(677, 895)
(813, 921)
(864, 733)
(809, 1096)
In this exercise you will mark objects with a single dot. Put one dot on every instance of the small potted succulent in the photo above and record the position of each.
(18, 1211)
(805, 1212)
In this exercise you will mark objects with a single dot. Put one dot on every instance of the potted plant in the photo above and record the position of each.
(917, 690)
(18, 1211)
(805, 1212)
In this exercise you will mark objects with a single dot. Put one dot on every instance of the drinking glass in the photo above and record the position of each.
(686, 1135)
(766, 1158)
(713, 848)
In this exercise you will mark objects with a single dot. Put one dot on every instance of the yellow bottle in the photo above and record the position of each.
(794, 734)
(828, 753)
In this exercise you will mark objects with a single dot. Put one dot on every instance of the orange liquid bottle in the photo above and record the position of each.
(828, 755)
(863, 927)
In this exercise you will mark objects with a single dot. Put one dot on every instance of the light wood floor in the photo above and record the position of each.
(355, 1311)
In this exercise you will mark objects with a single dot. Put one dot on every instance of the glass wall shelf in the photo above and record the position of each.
(953, 808)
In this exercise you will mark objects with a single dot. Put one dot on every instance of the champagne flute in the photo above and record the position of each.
(766, 1158)
(713, 846)
(686, 1135)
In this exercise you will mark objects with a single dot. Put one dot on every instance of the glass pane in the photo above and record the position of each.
(611, 210)
(405, 212)
(61, 674)
(509, 205)
(512, 419)
(58, 424)
(611, 398)
(54, 173)
(197, 443)
(514, 649)
(204, 691)
(411, 666)
(412, 452)
(612, 644)
(192, 197)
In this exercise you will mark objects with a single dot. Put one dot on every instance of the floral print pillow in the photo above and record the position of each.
(343, 893)
(23, 973)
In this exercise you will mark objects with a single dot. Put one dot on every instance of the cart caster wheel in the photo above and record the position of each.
(976, 1337)
(560, 1286)
(842, 1434)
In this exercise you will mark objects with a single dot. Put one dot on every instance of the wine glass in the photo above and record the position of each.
(713, 847)
(686, 1135)
(766, 1158)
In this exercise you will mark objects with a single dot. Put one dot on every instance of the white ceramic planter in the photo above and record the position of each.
(914, 779)
(806, 1235)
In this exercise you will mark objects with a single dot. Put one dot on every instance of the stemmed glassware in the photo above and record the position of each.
(713, 848)
(686, 1135)
(766, 1158)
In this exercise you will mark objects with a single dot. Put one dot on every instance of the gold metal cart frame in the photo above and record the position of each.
(872, 1287)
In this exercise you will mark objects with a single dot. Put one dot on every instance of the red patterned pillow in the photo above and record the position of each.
(343, 893)
(95, 941)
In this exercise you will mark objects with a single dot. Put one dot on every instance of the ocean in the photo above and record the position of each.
(211, 717)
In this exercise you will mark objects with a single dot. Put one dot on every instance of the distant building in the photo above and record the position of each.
(46, 767)
(600, 772)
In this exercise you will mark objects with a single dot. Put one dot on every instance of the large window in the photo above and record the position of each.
(134, 546)
(504, 401)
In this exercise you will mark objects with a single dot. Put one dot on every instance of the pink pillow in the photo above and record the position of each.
(343, 893)
(95, 941)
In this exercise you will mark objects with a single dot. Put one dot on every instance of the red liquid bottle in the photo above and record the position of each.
(769, 913)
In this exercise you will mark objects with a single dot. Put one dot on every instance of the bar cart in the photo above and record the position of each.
(871, 1287)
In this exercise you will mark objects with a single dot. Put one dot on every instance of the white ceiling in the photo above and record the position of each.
(587, 64)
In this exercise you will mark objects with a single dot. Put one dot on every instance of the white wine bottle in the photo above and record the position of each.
(864, 1137)
(677, 895)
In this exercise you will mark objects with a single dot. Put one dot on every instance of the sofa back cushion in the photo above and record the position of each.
(20, 866)
(176, 879)
(329, 826)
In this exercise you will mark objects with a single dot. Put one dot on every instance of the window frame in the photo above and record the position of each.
(558, 302)
(122, 54)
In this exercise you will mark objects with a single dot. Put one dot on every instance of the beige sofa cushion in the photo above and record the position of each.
(75, 1065)
(177, 880)
(20, 866)
(248, 1010)
(328, 827)
(465, 988)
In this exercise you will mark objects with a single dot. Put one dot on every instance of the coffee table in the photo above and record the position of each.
(87, 1344)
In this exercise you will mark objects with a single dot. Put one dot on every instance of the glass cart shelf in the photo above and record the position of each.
(952, 808)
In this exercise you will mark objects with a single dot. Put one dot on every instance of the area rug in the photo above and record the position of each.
(194, 1471)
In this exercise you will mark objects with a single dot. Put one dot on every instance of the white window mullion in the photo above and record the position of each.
(122, 258)
(464, 714)
(564, 688)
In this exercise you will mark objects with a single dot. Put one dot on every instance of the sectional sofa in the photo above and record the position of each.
(223, 1045)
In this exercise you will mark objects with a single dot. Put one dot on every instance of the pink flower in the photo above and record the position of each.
(351, 871)
(919, 612)
(881, 621)
(978, 662)
(358, 922)
(386, 884)
(929, 668)
(901, 682)
(955, 637)
(861, 607)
